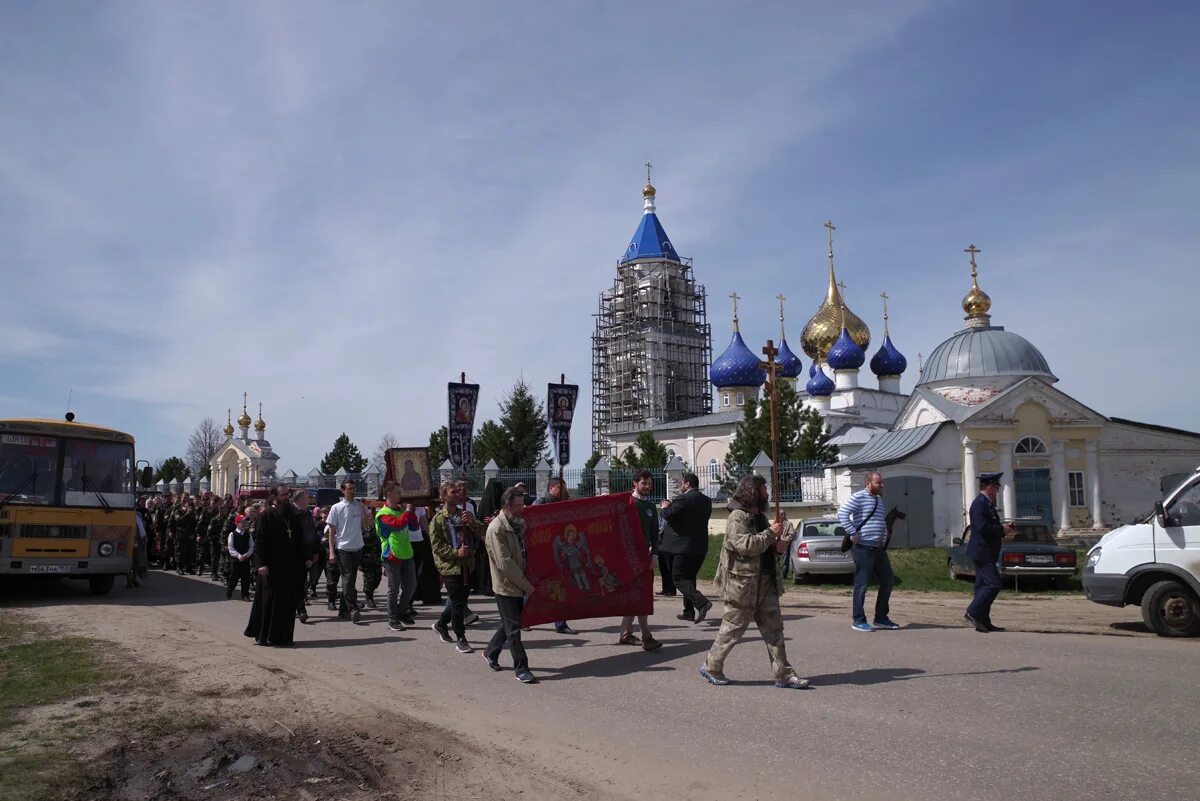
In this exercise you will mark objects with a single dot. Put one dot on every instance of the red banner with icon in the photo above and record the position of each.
(586, 558)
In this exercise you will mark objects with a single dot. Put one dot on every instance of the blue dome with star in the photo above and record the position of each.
(845, 354)
(820, 385)
(737, 366)
(788, 364)
(888, 361)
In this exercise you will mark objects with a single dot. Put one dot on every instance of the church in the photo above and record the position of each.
(985, 400)
(240, 460)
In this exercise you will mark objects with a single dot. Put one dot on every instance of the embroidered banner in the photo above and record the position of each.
(560, 409)
(462, 401)
(586, 558)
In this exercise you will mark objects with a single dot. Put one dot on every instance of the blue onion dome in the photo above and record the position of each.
(737, 366)
(845, 353)
(788, 364)
(888, 361)
(820, 385)
(812, 369)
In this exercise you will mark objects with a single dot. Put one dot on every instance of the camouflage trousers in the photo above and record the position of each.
(217, 555)
(767, 616)
(185, 553)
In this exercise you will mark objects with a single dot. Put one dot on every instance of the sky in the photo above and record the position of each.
(338, 207)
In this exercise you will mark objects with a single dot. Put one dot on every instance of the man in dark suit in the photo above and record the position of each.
(987, 534)
(685, 544)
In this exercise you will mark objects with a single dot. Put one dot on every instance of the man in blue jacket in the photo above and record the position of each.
(987, 534)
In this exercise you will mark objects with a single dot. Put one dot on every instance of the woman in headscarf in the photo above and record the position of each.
(489, 506)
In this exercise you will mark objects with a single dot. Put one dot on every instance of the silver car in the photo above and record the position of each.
(817, 549)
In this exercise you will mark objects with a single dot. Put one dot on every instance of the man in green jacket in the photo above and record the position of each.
(391, 528)
(506, 559)
(452, 532)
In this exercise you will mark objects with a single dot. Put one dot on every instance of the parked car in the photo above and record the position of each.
(1031, 552)
(1154, 563)
(817, 550)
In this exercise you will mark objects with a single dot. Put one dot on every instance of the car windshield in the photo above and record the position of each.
(28, 468)
(96, 473)
(822, 528)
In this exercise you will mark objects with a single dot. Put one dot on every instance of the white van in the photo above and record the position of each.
(1154, 563)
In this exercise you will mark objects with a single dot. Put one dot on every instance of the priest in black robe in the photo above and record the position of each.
(279, 564)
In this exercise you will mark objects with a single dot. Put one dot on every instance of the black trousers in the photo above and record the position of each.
(664, 570)
(429, 588)
(509, 632)
(987, 587)
(684, 569)
(239, 571)
(452, 615)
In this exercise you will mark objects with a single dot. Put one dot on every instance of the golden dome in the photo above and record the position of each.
(975, 303)
(260, 425)
(823, 329)
(648, 190)
(228, 423)
(244, 419)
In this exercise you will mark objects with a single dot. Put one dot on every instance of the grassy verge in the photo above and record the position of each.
(921, 569)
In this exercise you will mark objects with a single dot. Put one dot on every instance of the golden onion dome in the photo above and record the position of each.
(244, 419)
(824, 327)
(228, 423)
(648, 190)
(260, 425)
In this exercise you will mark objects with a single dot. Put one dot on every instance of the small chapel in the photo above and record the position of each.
(985, 400)
(241, 461)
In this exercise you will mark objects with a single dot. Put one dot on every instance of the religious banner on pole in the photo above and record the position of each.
(560, 411)
(463, 399)
(586, 558)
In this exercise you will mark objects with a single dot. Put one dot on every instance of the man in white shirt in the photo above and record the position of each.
(344, 526)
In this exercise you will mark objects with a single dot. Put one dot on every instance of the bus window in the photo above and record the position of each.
(92, 469)
(28, 464)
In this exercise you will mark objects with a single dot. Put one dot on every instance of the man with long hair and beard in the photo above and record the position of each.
(279, 564)
(750, 584)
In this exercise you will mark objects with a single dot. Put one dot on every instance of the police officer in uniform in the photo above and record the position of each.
(987, 534)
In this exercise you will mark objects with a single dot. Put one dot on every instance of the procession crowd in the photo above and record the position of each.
(465, 548)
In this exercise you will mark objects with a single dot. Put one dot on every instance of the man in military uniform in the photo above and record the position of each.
(987, 534)
(162, 518)
(204, 516)
(218, 531)
(184, 525)
(749, 581)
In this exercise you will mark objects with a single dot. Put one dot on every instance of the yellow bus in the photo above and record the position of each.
(67, 499)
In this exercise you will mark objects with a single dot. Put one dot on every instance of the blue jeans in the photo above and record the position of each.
(871, 561)
(987, 587)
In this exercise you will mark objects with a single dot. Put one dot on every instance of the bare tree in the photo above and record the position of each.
(386, 442)
(202, 445)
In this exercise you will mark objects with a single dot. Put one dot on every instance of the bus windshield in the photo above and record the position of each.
(28, 468)
(96, 473)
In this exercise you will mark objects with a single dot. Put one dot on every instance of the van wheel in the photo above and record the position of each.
(1171, 610)
(100, 585)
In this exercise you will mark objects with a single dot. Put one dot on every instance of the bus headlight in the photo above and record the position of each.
(106, 549)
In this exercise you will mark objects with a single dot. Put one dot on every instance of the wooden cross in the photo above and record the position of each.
(770, 351)
(972, 250)
(649, 167)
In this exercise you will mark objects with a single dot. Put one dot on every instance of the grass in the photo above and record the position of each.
(921, 569)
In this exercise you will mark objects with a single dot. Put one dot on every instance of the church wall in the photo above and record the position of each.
(1133, 462)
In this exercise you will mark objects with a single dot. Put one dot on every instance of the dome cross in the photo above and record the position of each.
(735, 297)
(884, 295)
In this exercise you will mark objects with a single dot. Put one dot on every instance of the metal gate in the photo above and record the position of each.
(912, 495)
(1033, 495)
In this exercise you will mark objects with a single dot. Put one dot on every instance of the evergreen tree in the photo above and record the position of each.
(646, 451)
(754, 432)
(587, 478)
(523, 420)
(814, 438)
(171, 469)
(491, 442)
(439, 447)
(344, 454)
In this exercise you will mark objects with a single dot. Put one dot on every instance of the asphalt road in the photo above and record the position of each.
(931, 711)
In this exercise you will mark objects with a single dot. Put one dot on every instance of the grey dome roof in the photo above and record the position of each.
(983, 353)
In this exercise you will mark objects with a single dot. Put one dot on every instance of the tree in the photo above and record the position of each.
(202, 444)
(523, 419)
(171, 469)
(587, 478)
(386, 443)
(439, 447)
(814, 438)
(646, 451)
(491, 442)
(803, 434)
(344, 454)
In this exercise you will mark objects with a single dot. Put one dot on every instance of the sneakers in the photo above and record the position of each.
(492, 663)
(408, 620)
(443, 633)
(629, 639)
(396, 625)
(887, 625)
(863, 627)
(702, 611)
(371, 602)
(463, 647)
(651, 644)
(470, 619)
(714, 677)
(355, 615)
(563, 628)
(979, 625)
(792, 682)
(525, 677)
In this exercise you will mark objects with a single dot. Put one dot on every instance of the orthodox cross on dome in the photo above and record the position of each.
(972, 250)
(649, 167)
(884, 295)
(245, 398)
(841, 285)
(735, 297)
(781, 299)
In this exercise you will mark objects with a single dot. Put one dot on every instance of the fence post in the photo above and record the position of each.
(446, 471)
(674, 471)
(542, 477)
(491, 471)
(602, 470)
(763, 466)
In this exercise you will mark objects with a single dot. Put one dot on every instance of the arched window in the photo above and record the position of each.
(1030, 446)
(741, 399)
(714, 470)
(670, 454)
(724, 398)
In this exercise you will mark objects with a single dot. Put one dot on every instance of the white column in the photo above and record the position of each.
(692, 454)
(969, 473)
(1058, 484)
(1008, 481)
(1092, 449)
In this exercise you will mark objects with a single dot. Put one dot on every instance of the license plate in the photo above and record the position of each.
(1039, 559)
(49, 568)
(830, 555)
